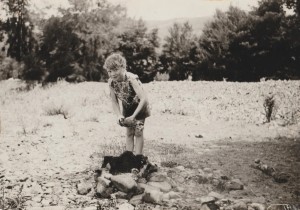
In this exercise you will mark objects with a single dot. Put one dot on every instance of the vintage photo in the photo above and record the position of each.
(150, 104)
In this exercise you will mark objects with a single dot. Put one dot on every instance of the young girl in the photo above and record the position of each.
(127, 88)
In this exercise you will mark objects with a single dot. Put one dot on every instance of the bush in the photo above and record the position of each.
(269, 107)
(10, 68)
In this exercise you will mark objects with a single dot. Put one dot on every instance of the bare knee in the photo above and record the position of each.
(138, 132)
(130, 132)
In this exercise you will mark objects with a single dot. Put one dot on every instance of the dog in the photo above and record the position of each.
(124, 163)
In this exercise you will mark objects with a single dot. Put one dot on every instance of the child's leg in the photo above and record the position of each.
(129, 139)
(139, 137)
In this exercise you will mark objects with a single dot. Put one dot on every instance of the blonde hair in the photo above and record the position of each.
(114, 62)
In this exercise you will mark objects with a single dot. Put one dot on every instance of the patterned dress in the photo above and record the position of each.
(130, 100)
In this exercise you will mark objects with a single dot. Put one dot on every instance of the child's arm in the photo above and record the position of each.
(142, 96)
(115, 104)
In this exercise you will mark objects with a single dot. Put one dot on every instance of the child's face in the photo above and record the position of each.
(116, 75)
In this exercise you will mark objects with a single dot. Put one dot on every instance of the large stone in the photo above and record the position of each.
(91, 208)
(157, 177)
(234, 184)
(237, 206)
(154, 197)
(84, 187)
(281, 177)
(257, 206)
(136, 200)
(36, 189)
(148, 188)
(207, 199)
(216, 195)
(125, 206)
(101, 188)
(119, 195)
(103, 180)
(174, 195)
(163, 186)
(124, 182)
(204, 207)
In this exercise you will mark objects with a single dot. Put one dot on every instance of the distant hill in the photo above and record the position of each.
(164, 25)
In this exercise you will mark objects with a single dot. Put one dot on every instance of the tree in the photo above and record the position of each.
(214, 44)
(261, 47)
(178, 56)
(92, 35)
(18, 27)
(139, 48)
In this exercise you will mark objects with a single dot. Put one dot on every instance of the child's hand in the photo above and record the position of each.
(121, 121)
(129, 121)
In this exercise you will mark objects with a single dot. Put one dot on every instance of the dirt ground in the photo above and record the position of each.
(57, 136)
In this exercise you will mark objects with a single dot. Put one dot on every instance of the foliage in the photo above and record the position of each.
(10, 68)
(18, 27)
(91, 36)
(215, 41)
(247, 47)
(269, 107)
(179, 51)
(139, 49)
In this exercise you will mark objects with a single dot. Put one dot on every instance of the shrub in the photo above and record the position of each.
(269, 108)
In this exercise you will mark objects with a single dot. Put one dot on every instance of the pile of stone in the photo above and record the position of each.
(156, 188)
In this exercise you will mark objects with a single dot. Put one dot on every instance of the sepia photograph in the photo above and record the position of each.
(150, 104)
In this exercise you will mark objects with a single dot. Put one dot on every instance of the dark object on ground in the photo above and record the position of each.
(125, 162)
(148, 169)
(270, 171)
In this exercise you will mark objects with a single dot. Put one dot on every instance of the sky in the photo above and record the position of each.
(160, 9)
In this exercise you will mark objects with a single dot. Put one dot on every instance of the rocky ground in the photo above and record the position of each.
(204, 136)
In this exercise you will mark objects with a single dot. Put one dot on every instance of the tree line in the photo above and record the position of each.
(235, 45)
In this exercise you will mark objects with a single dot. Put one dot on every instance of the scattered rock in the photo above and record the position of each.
(281, 177)
(91, 208)
(204, 207)
(84, 188)
(124, 182)
(166, 197)
(181, 168)
(119, 195)
(259, 199)
(163, 186)
(49, 184)
(207, 199)
(157, 177)
(136, 200)
(154, 197)
(174, 195)
(24, 179)
(101, 188)
(234, 184)
(199, 136)
(125, 206)
(237, 206)
(207, 170)
(216, 195)
(257, 206)
(142, 180)
(37, 199)
(148, 188)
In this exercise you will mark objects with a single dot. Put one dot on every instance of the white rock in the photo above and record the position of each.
(154, 197)
(163, 186)
(125, 206)
(124, 182)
